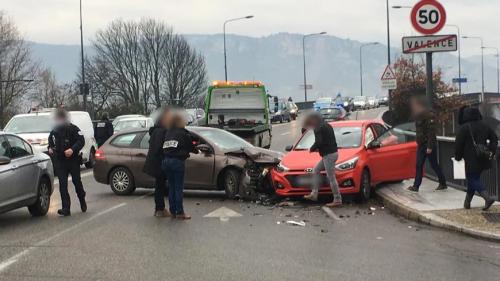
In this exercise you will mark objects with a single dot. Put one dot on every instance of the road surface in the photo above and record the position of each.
(119, 239)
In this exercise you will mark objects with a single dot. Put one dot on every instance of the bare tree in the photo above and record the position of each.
(48, 92)
(16, 68)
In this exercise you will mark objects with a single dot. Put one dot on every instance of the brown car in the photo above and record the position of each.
(222, 163)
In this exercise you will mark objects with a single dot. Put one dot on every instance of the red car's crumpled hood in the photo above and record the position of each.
(303, 159)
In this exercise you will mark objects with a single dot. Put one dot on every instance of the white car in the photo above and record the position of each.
(35, 129)
(372, 102)
(360, 102)
(133, 123)
(121, 117)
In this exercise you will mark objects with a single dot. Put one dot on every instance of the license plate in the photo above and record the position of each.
(304, 181)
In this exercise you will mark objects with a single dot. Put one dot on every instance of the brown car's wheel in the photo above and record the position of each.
(41, 206)
(365, 189)
(232, 183)
(121, 181)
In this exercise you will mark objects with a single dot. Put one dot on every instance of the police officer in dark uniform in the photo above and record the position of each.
(103, 130)
(65, 142)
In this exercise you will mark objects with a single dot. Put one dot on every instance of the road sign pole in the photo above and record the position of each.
(430, 88)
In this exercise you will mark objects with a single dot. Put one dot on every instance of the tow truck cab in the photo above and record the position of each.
(241, 108)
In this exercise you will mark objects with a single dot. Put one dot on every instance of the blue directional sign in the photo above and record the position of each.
(460, 80)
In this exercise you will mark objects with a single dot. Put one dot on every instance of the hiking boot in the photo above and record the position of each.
(311, 196)
(162, 214)
(412, 189)
(441, 187)
(83, 205)
(183, 217)
(64, 212)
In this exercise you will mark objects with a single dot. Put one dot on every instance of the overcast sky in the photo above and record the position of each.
(56, 21)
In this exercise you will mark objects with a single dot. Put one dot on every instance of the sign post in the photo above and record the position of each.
(429, 17)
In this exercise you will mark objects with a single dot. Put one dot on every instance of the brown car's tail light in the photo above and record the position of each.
(99, 155)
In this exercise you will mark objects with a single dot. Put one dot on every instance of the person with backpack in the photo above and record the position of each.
(476, 143)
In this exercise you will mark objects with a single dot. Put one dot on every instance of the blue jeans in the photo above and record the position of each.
(474, 183)
(174, 171)
(421, 156)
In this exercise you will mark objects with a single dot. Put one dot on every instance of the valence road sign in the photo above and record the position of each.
(428, 44)
(388, 79)
(428, 17)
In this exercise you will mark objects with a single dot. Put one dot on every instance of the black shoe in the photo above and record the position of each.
(64, 212)
(488, 204)
(442, 187)
(468, 200)
(83, 205)
(412, 189)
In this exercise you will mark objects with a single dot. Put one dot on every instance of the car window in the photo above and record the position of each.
(395, 136)
(4, 147)
(30, 124)
(18, 147)
(124, 140)
(144, 144)
(369, 136)
(379, 129)
(346, 137)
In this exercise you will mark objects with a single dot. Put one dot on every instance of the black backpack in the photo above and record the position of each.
(483, 153)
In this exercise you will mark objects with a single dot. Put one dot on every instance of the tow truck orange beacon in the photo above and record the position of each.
(219, 83)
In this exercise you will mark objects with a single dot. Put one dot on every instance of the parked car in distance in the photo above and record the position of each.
(346, 103)
(372, 102)
(360, 102)
(35, 129)
(133, 123)
(26, 176)
(363, 147)
(280, 111)
(197, 113)
(383, 100)
(121, 159)
(118, 118)
(323, 103)
(336, 113)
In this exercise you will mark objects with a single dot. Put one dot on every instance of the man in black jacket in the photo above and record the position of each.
(326, 144)
(474, 132)
(426, 142)
(65, 142)
(103, 130)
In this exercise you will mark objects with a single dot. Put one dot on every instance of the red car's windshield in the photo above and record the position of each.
(347, 137)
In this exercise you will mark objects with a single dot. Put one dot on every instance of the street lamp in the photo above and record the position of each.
(83, 88)
(482, 62)
(224, 32)
(361, 62)
(459, 47)
(498, 66)
(304, 58)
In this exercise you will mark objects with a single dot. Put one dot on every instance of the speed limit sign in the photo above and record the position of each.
(428, 17)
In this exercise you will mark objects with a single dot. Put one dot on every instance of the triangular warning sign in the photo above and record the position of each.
(388, 74)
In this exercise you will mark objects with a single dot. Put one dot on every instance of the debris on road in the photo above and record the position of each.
(296, 223)
(373, 208)
(324, 231)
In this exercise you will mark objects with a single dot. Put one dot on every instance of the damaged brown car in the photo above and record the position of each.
(225, 162)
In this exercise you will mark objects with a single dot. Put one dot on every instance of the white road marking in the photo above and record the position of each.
(287, 133)
(223, 213)
(15, 258)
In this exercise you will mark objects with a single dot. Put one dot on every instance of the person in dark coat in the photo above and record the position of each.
(103, 130)
(152, 165)
(473, 129)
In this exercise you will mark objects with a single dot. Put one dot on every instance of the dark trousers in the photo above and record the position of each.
(421, 157)
(160, 193)
(474, 183)
(174, 171)
(64, 168)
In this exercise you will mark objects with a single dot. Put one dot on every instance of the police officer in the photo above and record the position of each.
(104, 130)
(65, 142)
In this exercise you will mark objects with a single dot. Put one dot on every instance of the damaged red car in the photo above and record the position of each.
(369, 154)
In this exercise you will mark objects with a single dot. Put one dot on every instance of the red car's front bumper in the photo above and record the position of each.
(290, 184)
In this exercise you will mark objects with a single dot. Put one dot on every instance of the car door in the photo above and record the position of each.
(139, 151)
(200, 167)
(392, 157)
(7, 175)
(25, 167)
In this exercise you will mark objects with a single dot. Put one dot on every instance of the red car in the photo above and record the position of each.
(369, 154)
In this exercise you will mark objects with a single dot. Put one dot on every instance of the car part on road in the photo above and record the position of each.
(122, 181)
(41, 206)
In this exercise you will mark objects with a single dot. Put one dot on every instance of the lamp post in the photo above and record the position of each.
(361, 63)
(459, 47)
(482, 62)
(498, 66)
(224, 34)
(304, 58)
(83, 87)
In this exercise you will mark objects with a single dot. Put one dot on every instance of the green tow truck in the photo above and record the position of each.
(241, 108)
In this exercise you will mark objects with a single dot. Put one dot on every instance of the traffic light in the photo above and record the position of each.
(84, 89)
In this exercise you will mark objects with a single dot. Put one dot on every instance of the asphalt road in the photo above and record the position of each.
(119, 239)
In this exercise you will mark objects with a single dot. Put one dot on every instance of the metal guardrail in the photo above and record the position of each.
(446, 150)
